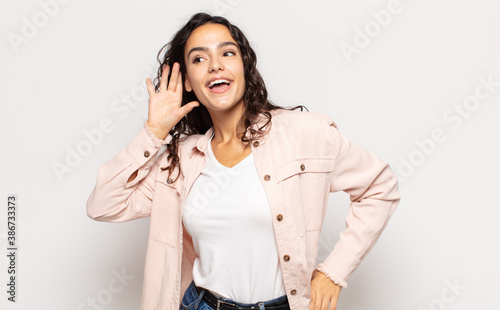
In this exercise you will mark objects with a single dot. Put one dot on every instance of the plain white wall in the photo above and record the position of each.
(410, 88)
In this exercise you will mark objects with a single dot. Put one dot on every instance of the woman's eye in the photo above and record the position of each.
(197, 60)
(229, 53)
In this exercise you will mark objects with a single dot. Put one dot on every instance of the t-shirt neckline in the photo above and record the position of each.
(212, 155)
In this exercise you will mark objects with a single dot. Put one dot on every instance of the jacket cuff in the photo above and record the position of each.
(158, 142)
(145, 146)
(336, 279)
(339, 265)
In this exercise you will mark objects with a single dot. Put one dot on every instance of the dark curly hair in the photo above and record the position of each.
(198, 121)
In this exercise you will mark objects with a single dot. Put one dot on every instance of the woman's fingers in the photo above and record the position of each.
(172, 84)
(175, 83)
(188, 107)
(179, 83)
(151, 88)
(164, 76)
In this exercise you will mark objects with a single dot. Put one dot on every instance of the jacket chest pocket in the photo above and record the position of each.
(305, 184)
(165, 212)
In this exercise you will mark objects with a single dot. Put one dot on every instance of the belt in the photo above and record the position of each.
(217, 304)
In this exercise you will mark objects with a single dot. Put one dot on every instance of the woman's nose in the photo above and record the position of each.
(216, 65)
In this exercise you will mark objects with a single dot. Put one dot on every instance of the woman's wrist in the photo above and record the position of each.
(160, 134)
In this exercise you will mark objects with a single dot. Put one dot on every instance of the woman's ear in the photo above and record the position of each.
(186, 84)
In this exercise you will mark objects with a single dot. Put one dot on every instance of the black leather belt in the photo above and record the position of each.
(217, 304)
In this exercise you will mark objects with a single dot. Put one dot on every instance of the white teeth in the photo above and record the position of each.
(218, 82)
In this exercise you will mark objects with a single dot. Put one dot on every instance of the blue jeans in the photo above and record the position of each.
(193, 300)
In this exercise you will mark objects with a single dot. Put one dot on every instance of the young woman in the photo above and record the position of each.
(238, 197)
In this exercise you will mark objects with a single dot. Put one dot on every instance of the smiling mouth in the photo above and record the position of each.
(219, 85)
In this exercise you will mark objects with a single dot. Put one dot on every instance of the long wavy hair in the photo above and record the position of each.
(198, 121)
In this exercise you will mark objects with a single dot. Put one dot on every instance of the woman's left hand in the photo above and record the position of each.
(323, 291)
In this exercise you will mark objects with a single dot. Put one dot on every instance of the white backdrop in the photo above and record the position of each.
(416, 82)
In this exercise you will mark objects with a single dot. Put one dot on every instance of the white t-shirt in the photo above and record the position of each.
(228, 216)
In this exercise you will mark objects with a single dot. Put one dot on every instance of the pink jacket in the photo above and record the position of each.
(300, 161)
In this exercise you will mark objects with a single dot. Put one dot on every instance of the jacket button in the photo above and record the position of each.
(146, 153)
(169, 181)
(286, 258)
(267, 177)
(293, 292)
(302, 167)
(256, 144)
(279, 217)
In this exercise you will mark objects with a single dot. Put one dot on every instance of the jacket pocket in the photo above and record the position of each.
(305, 165)
(305, 183)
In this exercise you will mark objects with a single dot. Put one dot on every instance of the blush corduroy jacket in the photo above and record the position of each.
(300, 161)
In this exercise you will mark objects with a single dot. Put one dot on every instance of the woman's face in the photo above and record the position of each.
(214, 67)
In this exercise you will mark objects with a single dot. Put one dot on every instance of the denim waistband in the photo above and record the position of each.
(222, 303)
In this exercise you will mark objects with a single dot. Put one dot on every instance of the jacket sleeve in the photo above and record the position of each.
(113, 199)
(374, 193)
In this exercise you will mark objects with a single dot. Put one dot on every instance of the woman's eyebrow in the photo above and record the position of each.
(204, 48)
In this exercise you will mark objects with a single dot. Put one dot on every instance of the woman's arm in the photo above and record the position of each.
(374, 194)
(125, 184)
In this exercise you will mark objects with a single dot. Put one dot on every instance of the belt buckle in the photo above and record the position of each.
(221, 301)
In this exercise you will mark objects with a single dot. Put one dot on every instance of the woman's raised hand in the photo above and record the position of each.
(165, 109)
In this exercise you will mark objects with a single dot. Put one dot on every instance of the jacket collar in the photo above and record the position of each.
(202, 143)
